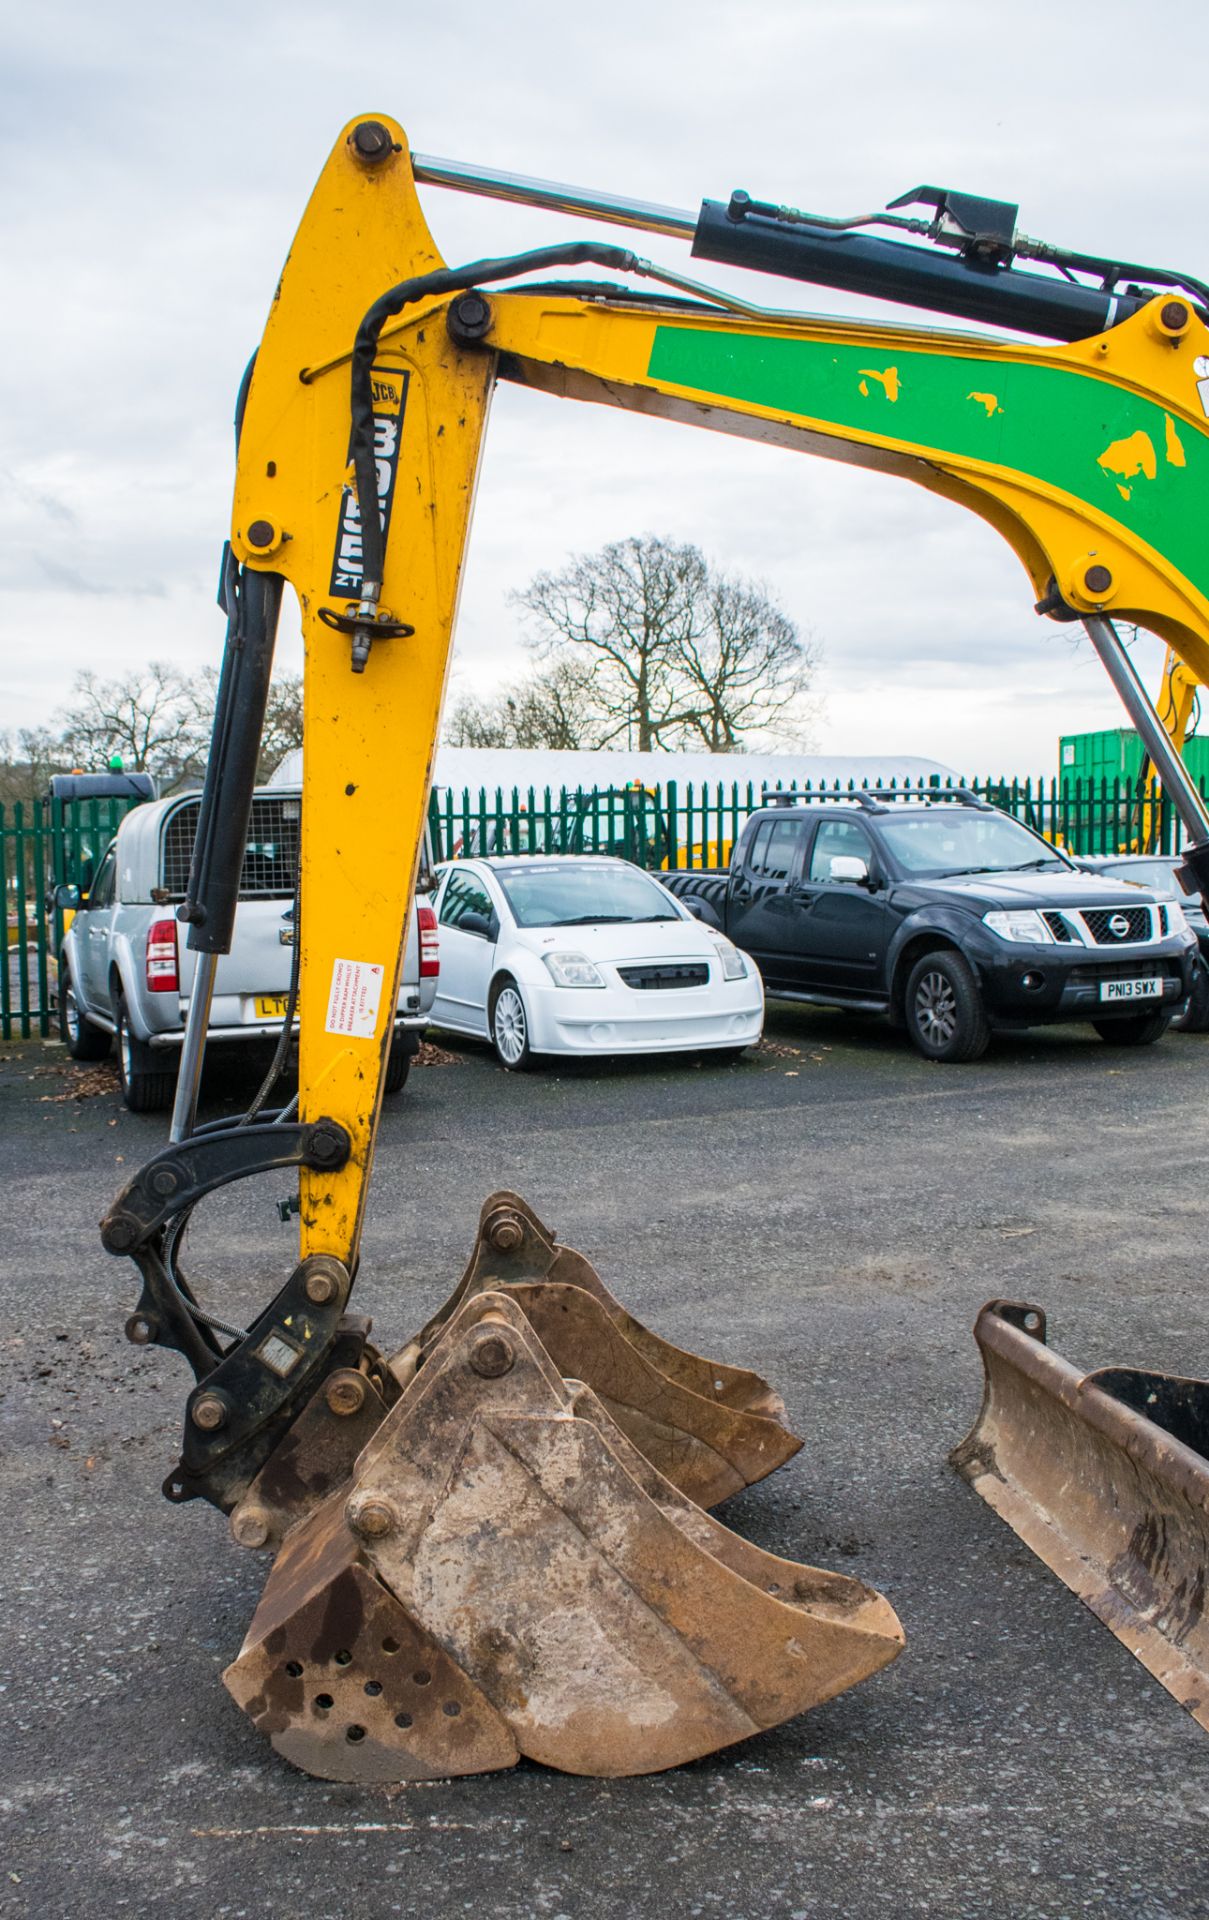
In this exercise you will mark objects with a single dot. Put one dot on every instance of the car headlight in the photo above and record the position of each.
(573, 970)
(734, 967)
(1177, 919)
(1023, 923)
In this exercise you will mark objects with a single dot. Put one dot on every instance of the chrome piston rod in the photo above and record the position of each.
(554, 195)
(1172, 772)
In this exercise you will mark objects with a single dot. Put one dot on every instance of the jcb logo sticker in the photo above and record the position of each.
(390, 400)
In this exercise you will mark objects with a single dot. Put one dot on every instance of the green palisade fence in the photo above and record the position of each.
(660, 827)
(686, 826)
(41, 847)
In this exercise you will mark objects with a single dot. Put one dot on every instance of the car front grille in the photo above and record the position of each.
(1059, 926)
(653, 978)
(1123, 970)
(1099, 923)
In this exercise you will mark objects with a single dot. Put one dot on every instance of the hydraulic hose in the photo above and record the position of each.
(421, 287)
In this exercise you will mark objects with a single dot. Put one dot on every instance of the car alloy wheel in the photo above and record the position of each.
(509, 1027)
(936, 1009)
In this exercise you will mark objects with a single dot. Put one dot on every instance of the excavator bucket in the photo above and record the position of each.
(507, 1573)
(1106, 1477)
(710, 1429)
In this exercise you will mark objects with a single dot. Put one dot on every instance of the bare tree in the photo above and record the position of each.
(27, 761)
(674, 654)
(552, 708)
(282, 723)
(282, 719)
(750, 670)
(159, 720)
(153, 718)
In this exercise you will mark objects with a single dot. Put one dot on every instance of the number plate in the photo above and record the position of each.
(1131, 989)
(271, 1006)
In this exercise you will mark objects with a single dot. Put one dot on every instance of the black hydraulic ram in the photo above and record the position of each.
(970, 285)
(251, 602)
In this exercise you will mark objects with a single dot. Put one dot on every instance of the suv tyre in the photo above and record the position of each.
(943, 1008)
(146, 1087)
(82, 1040)
(1137, 1030)
(1195, 1017)
(403, 1049)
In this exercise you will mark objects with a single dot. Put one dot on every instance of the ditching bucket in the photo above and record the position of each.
(506, 1573)
(710, 1429)
(1105, 1476)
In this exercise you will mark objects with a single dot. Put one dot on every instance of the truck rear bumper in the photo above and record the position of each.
(267, 1030)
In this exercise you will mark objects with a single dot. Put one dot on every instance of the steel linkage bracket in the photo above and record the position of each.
(249, 1393)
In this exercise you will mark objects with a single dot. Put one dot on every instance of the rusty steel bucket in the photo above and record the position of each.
(506, 1573)
(710, 1428)
(1105, 1476)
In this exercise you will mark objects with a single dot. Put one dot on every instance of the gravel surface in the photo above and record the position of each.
(831, 1212)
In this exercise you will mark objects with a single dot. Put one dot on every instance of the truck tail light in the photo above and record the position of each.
(162, 972)
(430, 945)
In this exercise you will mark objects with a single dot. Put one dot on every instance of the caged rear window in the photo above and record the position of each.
(270, 862)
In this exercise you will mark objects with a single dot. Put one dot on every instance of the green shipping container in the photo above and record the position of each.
(1115, 753)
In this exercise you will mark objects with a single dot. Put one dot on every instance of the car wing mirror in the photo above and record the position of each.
(68, 899)
(486, 926)
(695, 907)
(849, 867)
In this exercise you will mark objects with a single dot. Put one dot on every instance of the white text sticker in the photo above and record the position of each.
(352, 1005)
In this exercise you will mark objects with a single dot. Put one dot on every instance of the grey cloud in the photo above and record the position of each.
(150, 241)
(70, 580)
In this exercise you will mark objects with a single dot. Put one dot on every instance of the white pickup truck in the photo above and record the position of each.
(126, 972)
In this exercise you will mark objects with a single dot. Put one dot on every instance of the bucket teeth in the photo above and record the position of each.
(711, 1429)
(584, 1608)
(1104, 1476)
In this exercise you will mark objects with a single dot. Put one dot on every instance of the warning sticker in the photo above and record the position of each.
(352, 1005)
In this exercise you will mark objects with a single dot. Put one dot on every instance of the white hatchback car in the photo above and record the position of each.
(581, 956)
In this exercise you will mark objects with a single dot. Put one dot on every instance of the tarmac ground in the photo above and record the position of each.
(832, 1212)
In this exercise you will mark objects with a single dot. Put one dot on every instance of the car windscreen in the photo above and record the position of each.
(571, 894)
(1155, 874)
(965, 840)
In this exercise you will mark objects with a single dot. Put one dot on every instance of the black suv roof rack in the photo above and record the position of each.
(878, 799)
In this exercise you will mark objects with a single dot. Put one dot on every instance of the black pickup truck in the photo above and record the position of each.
(947, 915)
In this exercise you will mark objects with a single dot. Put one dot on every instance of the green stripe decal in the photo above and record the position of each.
(1120, 454)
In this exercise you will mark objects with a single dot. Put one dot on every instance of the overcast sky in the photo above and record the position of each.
(158, 158)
